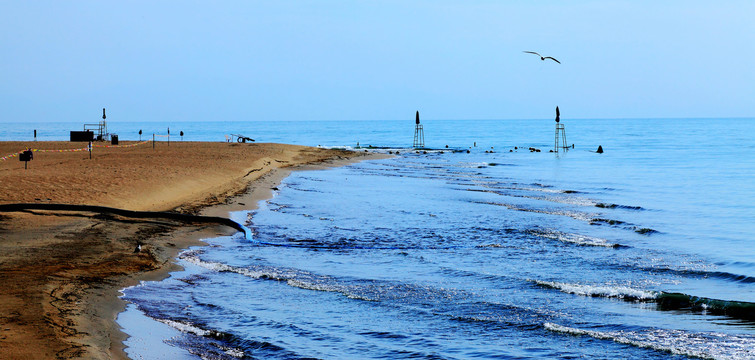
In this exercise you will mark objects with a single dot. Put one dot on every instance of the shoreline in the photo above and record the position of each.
(64, 270)
(258, 190)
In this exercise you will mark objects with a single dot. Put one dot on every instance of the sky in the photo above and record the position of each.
(374, 60)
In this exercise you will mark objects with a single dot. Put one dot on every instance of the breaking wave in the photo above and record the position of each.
(678, 301)
(358, 289)
(618, 292)
(578, 239)
(665, 300)
(677, 342)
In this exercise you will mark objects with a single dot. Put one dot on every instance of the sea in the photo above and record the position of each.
(484, 244)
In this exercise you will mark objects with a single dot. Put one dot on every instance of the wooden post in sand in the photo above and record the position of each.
(153, 140)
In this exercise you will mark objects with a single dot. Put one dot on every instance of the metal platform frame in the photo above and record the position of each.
(419, 137)
(101, 129)
(560, 129)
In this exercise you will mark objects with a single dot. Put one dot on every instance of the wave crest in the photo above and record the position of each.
(577, 239)
(665, 300)
(618, 292)
(677, 342)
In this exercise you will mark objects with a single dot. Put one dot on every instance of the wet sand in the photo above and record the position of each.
(62, 270)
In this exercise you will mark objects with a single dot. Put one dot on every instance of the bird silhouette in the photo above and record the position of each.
(542, 57)
(558, 115)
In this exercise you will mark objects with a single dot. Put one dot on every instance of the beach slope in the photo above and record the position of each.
(61, 270)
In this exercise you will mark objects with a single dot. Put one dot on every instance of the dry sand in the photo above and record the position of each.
(61, 271)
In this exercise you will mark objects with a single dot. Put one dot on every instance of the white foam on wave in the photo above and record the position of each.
(678, 342)
(309, 281)
(184, 327)
(191, 257)
(307, 285)
(220, 267)
(543, 190)
(191, 329)
(575, 238)
(233, 352)
(290, 277)
(318, 286)
(608, 291)
(572, 214)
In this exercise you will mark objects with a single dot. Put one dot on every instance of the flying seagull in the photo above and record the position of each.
(542, 57)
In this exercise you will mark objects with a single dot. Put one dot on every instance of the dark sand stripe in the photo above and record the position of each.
(126, 213)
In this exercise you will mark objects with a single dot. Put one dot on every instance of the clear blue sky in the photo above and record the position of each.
(285, 60)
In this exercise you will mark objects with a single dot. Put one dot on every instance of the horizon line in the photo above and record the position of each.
(412, 118)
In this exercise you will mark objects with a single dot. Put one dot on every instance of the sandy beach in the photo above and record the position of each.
(61, 270)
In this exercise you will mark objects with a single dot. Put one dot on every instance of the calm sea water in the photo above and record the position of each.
(645, 251)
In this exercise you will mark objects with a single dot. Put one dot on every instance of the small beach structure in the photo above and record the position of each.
(92, 131)
(26, 156)
(560, 133)
(419, 134)
(241, 138)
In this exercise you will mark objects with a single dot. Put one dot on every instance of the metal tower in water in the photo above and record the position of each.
(560, 132)
(419, 134)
